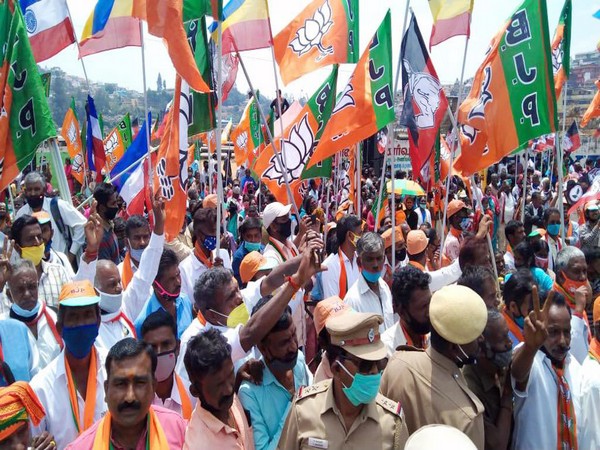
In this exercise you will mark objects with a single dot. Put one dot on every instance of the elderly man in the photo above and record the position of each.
(411, 295)
(590, 388)
(131, 421)
(546, 379)
(65, 218)
(347, 411)
(71, 387)
(571, 281)
(370, 293)
(429, 384)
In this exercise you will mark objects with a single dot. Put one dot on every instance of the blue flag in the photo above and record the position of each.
(132, 157)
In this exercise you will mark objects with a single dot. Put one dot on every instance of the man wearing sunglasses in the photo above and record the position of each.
(347, 411)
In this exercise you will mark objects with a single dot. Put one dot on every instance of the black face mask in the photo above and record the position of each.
(464, 359)
(285, 229)
(283, 365)
(35, 202)
(111, 213)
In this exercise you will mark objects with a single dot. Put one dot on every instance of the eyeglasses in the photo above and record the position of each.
(365, 366)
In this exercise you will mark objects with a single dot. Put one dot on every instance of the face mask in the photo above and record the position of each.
(553, 229)
(465, 223)
(423, 205)
(110, 303)
(24, 312)
(354, 239)
(79, 340)
(35, 202)
(136, 254)
(252, 246)
(33, 254)
(169, 296)
(165, 365)
(542, 263)
(501, 359)
(111, 213)
(210, 243)
(47, 247)
(371, 277)
(401, 255)
(468, 359)
(283, 365)
(364, 388)
(571, 285)
(285, 229)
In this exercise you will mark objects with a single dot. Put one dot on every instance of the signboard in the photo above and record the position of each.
(399, 155)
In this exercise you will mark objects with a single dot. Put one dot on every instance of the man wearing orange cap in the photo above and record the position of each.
(18, 406)
(399, 250)
(71, 387)
(590, 388)
(459, 222)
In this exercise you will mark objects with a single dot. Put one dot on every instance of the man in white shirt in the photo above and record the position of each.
(515, 234)
(546, 381)
(590, 389)
(72, 220)
(423, 212)
(370, 293)
(338, 279)
(507, 212)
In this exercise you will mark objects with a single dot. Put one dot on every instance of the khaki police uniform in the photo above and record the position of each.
(314, 422)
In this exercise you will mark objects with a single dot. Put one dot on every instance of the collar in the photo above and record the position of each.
(105, 318)
(155, 302)
(214, 424)
(367, 411)
(363, 287)
(442, 361)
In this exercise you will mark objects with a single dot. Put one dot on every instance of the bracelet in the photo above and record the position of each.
(91, 255)
(292, 283)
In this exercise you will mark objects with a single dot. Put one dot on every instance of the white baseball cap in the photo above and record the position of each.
(273, 211)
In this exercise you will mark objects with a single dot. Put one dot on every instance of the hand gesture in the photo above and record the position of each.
(93, 230)
(583, 295)
(251, 371)
(484, 226)
(309, 264)
(7, 248)
(534, 331)
(305, 222)
(160, 215)
(44, 441)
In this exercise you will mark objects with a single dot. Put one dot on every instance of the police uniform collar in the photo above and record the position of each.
(442, 360)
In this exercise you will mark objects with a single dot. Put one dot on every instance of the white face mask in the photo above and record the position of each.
(111, 303)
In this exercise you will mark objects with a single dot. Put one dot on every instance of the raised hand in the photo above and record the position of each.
(7, 249)
(583, 296)
(310, 263)
(159, 211)
(93, 230)
(534, 332)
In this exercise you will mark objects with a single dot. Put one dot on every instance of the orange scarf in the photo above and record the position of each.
(409, 340)
(566, 427)
(571, 302)
(201, 318)
(417, 265)
(343, 276)
(202, 257)
(280, 249)
(186, 404)
(128, 323)
(127, 274)
(156, 439)
(513, 327)
(90, 394)
(595, 350)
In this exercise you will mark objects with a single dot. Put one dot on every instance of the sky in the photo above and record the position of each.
(124, 66)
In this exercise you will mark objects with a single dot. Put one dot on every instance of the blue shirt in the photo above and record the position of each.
(17, 352)
(239, 254)
(183, 306)
(542, 279)
(269, 404)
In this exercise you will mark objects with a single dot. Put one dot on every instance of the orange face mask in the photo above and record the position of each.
(570, 285)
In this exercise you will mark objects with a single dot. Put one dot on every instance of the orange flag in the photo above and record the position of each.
(165, 20)
(324, 33)
(594, 108)
(71, 134)
(113, 148)
(170, 172)
(247, 136)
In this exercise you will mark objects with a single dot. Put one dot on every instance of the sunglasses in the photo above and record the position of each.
(365, 366)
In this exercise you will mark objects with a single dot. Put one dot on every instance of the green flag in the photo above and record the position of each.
(101, 125)
(203, 105)
(46, 78)
(561, 49)
(379, 203)
(195, 9)
(124, 129)
(26, 120)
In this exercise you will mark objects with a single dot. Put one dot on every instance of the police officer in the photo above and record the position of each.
(347, 412)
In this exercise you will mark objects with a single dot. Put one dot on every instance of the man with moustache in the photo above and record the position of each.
(131, 421)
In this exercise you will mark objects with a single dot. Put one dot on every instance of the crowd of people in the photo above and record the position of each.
(318, 325)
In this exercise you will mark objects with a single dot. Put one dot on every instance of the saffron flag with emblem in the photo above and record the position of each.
(71, 134)
(110, 25)
(170, 172)
(594, 108)
(247, 137)
(324, 33)
(246, 26)
(561, 49)
(195, 9)
(49, 27)
(512, 99)
(450, 18)
(94, 143)
(366, 104)
(25, 118)
(165, 20)
(297, 143)
(425, 103)
(113, 148)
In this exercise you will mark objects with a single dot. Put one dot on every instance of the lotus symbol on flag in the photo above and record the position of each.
(557, 58)
(297, 149)
(77, 163)
(242, 140)
(345, 100)
(166, 185)
(312, 33)
(72, 135)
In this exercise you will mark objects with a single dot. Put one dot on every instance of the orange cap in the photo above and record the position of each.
(254, 262)
(416, 242)
(210, 201)
(387, 236)
(596, 311)
(42, 217)
(78, 293)
(327, 308)
(455, 206)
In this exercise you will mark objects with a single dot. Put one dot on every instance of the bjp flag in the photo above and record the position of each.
(325, 32)
(561, 49)
(247, 137)
(170, 171)
(366, 104)
(297, 143)
(71, 134)
(113, 148)
(594, 108)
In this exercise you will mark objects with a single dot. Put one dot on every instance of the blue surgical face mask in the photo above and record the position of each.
(252, 246)
(553, 229)
(136, 254)
(24, 312)
(371, 277)
(364, 388)
(79, 340)
(210, 243)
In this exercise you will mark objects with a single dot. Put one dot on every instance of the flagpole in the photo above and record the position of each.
(560, 164)
(476, 192)
(270, 136)
(357, 187)
(87, 81)
(524, 193)
(381, 184)
(218, 134)
(56, 159)
(146, 110)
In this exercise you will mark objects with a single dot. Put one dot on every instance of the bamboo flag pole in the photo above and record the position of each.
(146, 109)
(218, 133)
(381, 184)
(524, 194)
